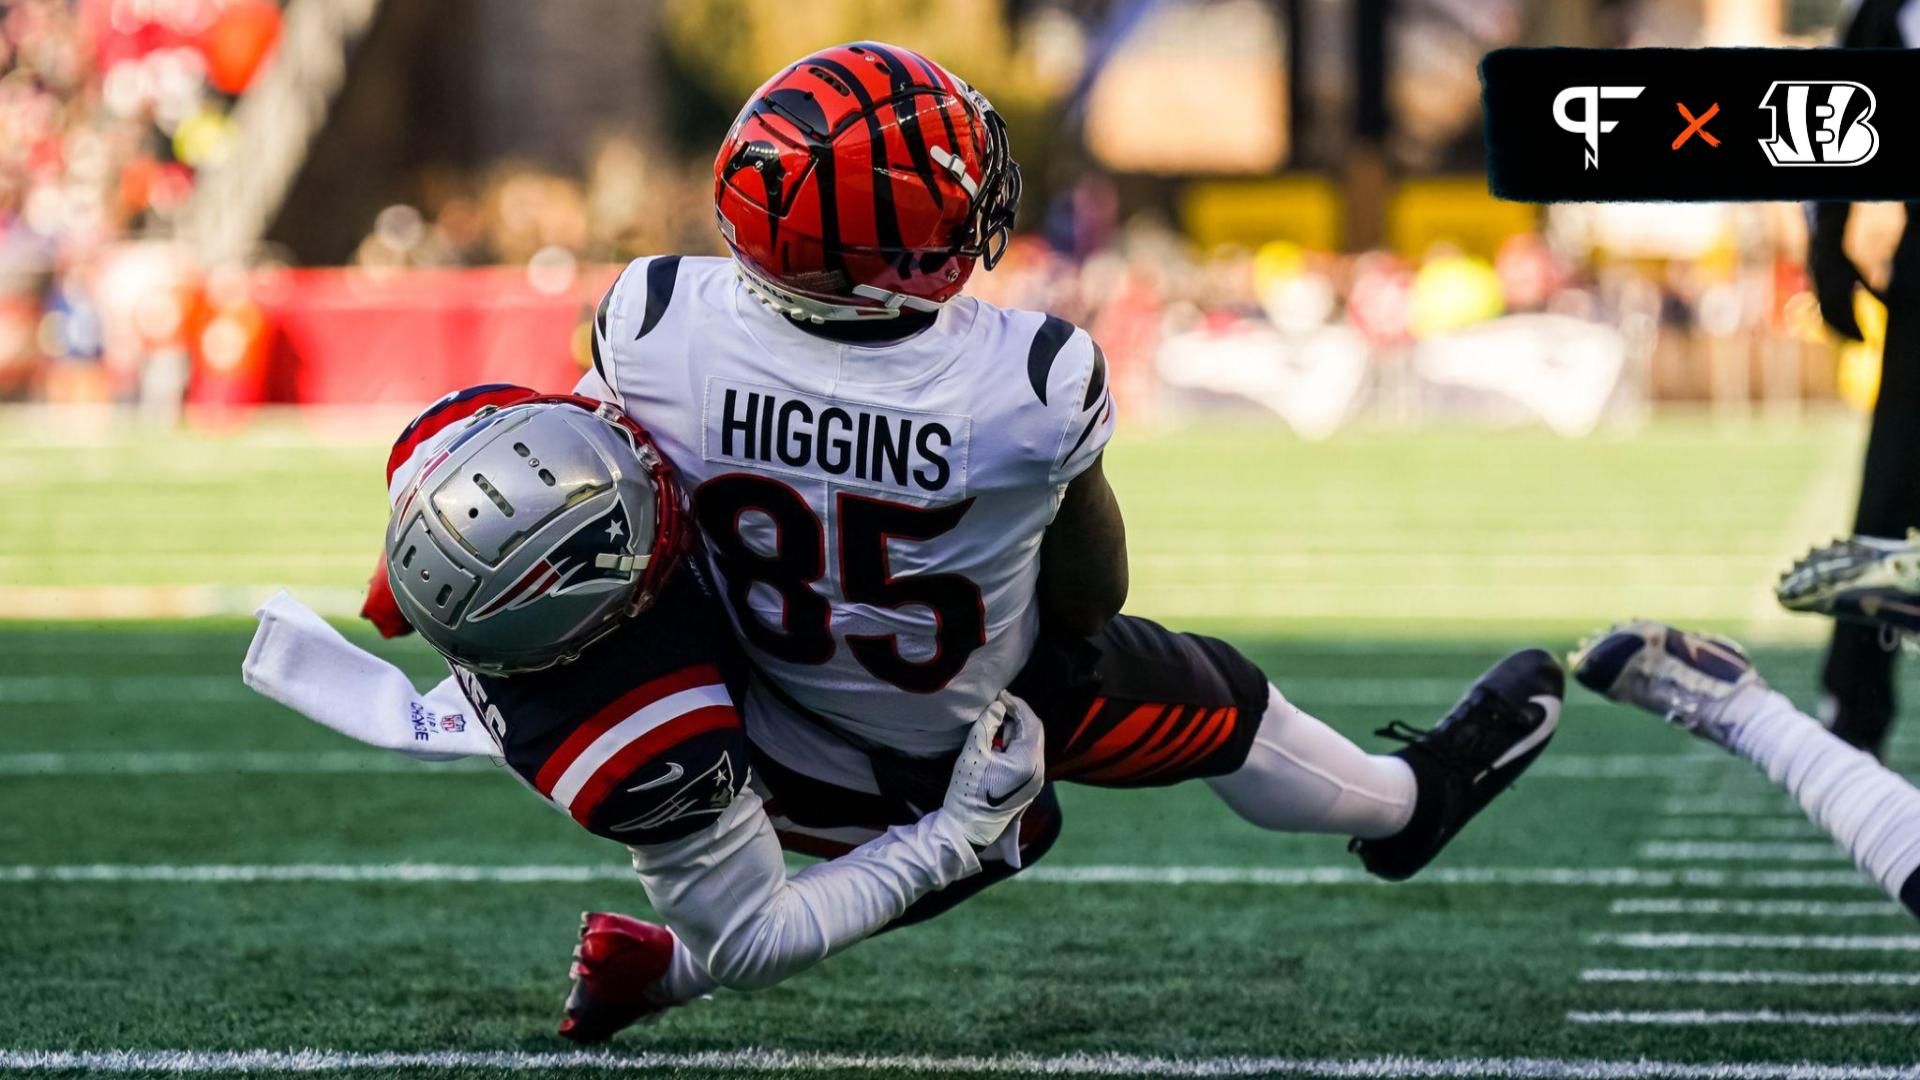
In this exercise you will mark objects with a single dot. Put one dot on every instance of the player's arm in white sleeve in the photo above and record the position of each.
(726, 895)
(723, 889)
(1083, 555)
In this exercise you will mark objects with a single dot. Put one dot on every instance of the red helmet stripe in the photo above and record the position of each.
(946, 119)
(902, 99)
(886, 221)
(938, 75)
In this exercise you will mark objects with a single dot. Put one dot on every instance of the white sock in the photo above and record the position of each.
(686, 978)
(1867, 808)
(1303, 776)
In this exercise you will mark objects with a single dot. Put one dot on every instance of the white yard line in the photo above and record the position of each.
(1795, 827)
(1778, 806)
(1703, 1017)
(123, 689)
(1741, 851)
(1826, 909)
(737, 1061)
(1823, 942)
(1411, 692)
(1752, 978)
(1571, 877)
(1691, 765)
(1805, 879)
(296, 762)
(206, 762)
(1275, 876)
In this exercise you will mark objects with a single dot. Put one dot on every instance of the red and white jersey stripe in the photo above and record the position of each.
(632, 730)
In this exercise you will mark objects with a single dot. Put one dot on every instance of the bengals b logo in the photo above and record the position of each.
(1819, 123)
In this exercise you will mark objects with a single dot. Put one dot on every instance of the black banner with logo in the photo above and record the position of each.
(1618, 125)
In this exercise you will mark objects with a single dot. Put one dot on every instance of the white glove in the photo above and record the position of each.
(1001, 769)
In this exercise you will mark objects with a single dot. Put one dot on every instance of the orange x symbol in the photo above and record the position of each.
(1697, 125)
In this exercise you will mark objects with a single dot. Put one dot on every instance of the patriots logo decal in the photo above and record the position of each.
(574, 563)
(709, 793)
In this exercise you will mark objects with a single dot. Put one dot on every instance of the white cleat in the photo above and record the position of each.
(1684, 676)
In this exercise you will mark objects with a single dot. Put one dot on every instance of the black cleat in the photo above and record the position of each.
(1470, 756)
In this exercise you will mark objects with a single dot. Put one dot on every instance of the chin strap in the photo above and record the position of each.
(809, 310)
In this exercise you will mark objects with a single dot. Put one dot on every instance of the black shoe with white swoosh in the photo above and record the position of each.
(1473, 754)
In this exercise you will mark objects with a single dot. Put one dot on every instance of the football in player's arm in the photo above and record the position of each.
(634, 734)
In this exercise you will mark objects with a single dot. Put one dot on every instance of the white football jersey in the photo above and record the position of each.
(873, 513)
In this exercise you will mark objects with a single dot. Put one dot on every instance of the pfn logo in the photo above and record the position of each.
(1825, 124)
(1589, 125)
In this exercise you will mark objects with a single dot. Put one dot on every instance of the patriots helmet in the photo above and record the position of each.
(534, 532)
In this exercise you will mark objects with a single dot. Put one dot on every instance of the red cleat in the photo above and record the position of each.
(617, 972)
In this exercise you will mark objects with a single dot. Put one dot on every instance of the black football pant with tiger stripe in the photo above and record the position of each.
(1136, 705)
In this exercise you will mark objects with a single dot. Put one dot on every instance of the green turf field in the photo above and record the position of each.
(187, 868)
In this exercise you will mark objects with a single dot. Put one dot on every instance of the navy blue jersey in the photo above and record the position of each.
(637, 739)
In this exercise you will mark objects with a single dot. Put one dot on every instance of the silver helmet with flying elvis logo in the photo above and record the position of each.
(534, 532)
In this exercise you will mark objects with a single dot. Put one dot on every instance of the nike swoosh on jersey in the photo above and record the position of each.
(674, 772)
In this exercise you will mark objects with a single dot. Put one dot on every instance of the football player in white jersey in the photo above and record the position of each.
(901, 494)
(537, 543)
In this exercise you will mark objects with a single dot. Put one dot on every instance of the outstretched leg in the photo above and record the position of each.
(1708, 686)
(1139, 705)
(1302, 776)
(1868, 809)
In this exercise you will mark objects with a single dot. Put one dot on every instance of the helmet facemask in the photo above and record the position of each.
(535, 532)
(990, 225)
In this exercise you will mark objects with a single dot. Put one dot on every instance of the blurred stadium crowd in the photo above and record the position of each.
(107, 108)
(1462, 306)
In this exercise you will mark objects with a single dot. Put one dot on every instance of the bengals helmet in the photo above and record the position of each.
(862, 180)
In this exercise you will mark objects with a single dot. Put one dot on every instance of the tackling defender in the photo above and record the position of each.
(1707, 685)
(537, 543)
(901, 493)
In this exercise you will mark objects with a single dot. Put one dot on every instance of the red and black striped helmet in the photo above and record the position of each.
(863, 179)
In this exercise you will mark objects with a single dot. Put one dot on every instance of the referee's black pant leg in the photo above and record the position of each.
(1859, 678)
(1859, 670)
